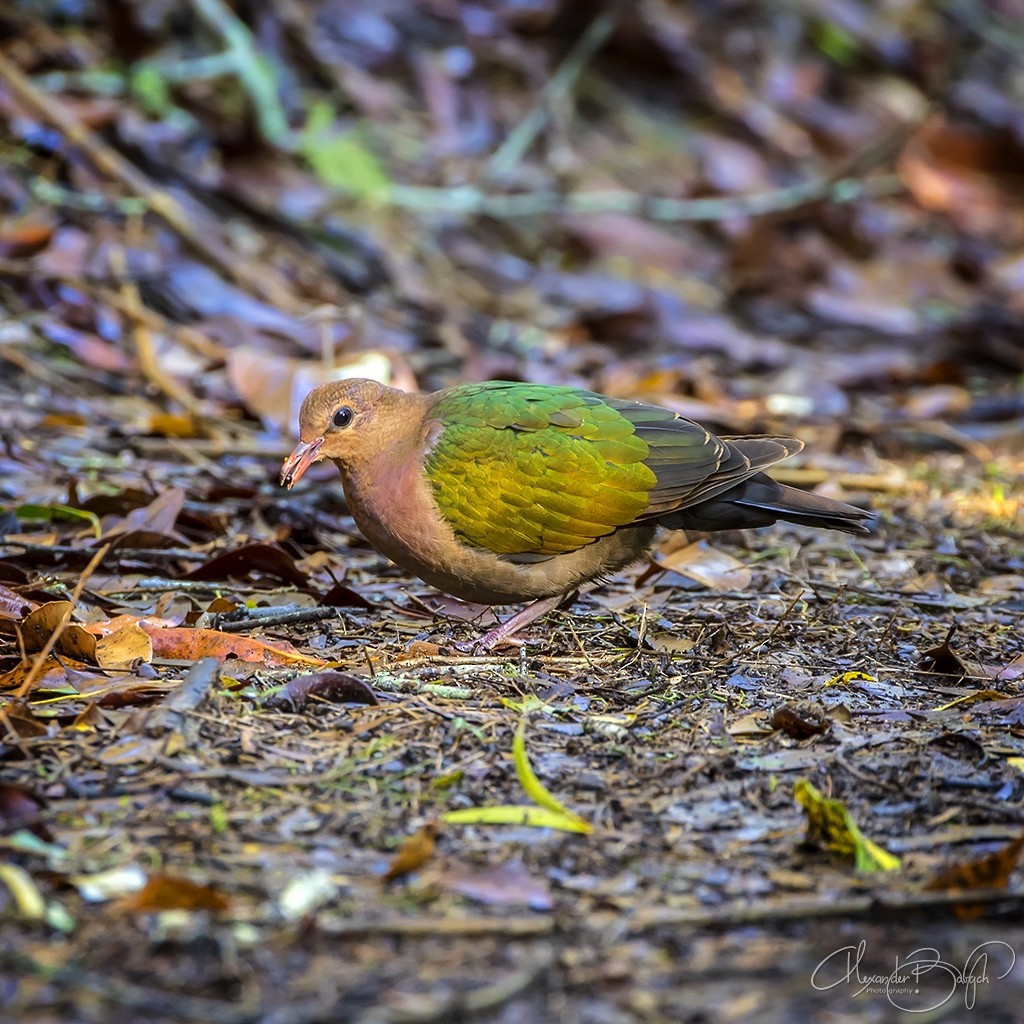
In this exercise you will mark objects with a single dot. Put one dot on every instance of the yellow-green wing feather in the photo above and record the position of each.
(526, 470)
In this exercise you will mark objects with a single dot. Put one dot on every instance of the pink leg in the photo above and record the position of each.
(494, 637)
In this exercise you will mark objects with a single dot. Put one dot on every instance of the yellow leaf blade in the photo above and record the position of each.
(532, 786)
(529, 815)
(830, 823)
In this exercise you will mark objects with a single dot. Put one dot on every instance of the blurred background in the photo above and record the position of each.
(757, 213)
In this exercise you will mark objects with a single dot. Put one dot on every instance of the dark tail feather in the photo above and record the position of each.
(761, 501)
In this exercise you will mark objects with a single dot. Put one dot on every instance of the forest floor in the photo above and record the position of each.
(764, 776)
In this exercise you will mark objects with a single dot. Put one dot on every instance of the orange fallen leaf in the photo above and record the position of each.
(413, 852)
(991, 871)
(170, 892)
(190, 643)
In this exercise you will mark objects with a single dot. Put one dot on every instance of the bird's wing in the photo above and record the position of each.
(530, 472)
(693, 465)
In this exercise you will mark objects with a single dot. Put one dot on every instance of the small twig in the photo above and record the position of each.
(443, 690)
(260, 618)
(817, 909)
(765, 643)
(159, 583)
(69, 549)
(432, 925)
(519, 140)
(254, 71)
(51, 194)
(51, 642)
(469, 200)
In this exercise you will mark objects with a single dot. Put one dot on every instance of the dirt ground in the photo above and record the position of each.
(246, 776)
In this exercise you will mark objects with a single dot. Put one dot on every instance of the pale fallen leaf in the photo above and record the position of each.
(111, 884)
(707, 565)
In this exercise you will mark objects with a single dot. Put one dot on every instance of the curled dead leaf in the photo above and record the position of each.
(337, 687)
(75, 641)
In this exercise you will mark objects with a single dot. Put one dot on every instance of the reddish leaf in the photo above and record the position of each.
(191, 644)
(337, 687)
(263, 559)
(800, 723)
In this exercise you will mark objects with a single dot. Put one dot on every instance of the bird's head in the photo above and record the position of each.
(349, 421)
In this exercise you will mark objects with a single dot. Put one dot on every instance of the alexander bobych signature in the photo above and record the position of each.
(921, 981)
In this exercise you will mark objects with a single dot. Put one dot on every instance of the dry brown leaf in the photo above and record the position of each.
(76, 642)
(171, 892)
(124, 647)
(413, 852)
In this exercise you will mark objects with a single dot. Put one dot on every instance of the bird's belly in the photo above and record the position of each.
(436, 555)
(482, 576)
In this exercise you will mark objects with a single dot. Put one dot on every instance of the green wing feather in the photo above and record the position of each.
(529, 471)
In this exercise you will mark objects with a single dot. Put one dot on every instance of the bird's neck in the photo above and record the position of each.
(390, 499)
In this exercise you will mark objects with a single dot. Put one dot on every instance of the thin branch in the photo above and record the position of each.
(519, 140)
(260, 618)
(469, 200)
(255, 72)
(870, 905)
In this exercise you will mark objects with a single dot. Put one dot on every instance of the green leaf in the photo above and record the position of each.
(532, 786)
(50, 513)
(342, 161)
(545, 812)
(830, 823)
(149, 87)
(836, 43)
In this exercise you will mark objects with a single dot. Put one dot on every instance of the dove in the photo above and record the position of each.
(505, 492)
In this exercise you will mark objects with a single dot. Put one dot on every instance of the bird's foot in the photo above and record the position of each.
(503, 632)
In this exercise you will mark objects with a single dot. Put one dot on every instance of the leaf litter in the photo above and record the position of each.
(225, 719)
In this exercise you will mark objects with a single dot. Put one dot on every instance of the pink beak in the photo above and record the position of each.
(302, 457)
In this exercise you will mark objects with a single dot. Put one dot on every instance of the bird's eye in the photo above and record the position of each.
(343, 417)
